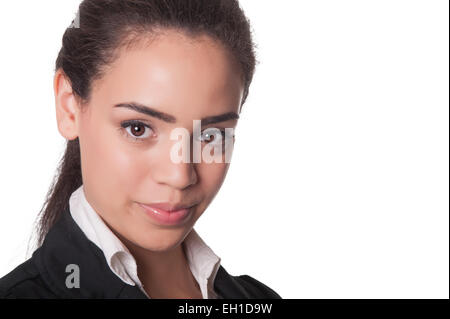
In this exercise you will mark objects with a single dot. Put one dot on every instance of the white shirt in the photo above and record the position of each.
(203, 262)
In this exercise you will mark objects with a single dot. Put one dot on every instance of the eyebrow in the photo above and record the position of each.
(171, 119)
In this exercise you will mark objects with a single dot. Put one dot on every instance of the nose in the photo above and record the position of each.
(176, 175)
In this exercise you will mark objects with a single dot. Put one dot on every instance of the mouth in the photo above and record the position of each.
(167, 213)
(169, 207)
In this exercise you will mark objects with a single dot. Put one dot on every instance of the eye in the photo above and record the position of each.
(137, 130)
(212, 135)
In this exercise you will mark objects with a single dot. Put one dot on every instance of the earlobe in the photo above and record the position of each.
(66, 106)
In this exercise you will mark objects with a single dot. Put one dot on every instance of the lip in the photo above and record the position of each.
(166, 213)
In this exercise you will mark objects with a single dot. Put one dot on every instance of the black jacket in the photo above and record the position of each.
(44, 274)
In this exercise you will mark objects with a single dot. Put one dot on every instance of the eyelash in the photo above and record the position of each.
(124, 125)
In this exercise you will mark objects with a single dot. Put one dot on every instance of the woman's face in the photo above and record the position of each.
(126, 154)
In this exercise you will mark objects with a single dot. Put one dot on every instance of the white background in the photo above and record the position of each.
(339, 182)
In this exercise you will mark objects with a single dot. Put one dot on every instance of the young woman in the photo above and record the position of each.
(118, 220)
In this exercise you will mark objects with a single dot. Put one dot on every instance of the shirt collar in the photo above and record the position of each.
(203, 262)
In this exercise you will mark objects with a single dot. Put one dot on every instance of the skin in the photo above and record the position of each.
(175, 74)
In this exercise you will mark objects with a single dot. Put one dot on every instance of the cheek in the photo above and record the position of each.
(108, 169)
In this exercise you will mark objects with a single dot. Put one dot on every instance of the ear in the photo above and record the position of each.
(66, 106)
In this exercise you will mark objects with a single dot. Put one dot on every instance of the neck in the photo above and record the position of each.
(164, 273)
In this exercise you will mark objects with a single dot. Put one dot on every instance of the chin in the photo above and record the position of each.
(162, 240)
(159, 248)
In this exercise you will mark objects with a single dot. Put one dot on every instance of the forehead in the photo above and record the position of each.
(174, 73)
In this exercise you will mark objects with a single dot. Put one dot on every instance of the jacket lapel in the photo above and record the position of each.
(227, 287)
(66, 244)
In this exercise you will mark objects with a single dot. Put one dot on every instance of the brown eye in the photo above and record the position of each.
(209, 137)
(212, 135)
(137, 129)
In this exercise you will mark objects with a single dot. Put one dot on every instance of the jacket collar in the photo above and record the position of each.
(65, 244)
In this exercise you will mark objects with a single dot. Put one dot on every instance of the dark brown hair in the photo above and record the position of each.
(92, 41)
